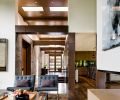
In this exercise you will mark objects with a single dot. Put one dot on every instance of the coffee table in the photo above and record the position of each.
(32, 96)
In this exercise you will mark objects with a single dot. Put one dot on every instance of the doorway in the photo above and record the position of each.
(26, 58)
(55, 63)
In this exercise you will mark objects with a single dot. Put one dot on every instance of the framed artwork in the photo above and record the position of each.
(110, 24)
(3, 54)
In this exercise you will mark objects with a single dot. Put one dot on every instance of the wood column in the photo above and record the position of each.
(71, 61)
(100, 80)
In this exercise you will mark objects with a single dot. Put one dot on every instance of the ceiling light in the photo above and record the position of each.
(32, 8)
(58, 8)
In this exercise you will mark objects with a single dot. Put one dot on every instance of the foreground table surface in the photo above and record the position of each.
(104, 94)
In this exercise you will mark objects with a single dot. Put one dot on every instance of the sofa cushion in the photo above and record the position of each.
(47, 83)
(22, 83)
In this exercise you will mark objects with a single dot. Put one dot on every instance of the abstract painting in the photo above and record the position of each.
(110, 24)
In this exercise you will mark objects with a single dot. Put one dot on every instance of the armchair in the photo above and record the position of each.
(48, 83)
(26, 82)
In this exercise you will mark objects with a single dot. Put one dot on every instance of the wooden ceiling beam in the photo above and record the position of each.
(55, 54)
(51, 48)
(53, 38)
(41, 28)
(61, 18)
(48, 52)
(49, 42)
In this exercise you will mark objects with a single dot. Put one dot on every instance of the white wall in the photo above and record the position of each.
(82, 16)
(85, 42)
(20, 20)
(106, 60)
(7, 30)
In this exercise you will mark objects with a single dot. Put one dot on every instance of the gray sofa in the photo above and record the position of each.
(25, 82)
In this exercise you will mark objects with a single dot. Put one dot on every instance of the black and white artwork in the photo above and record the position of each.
(110, 24)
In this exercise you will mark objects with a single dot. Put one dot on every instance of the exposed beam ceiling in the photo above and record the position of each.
(42, 15)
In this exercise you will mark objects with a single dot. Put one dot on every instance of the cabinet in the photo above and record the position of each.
(87, 71)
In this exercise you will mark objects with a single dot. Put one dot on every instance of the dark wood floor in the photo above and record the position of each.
(87, 83)
(80, 92)
(81, 87)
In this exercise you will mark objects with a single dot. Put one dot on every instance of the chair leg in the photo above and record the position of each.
(57, 95)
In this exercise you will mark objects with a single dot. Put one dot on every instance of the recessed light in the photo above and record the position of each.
(58, 8)
(32, 8)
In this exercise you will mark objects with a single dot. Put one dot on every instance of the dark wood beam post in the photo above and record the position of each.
(100, 80)
(71, 61)
(108, 77)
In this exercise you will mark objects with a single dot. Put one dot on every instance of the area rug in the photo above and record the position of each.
(54, 97)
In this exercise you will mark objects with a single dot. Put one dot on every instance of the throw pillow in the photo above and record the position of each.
(48, 83)
(22, 83)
